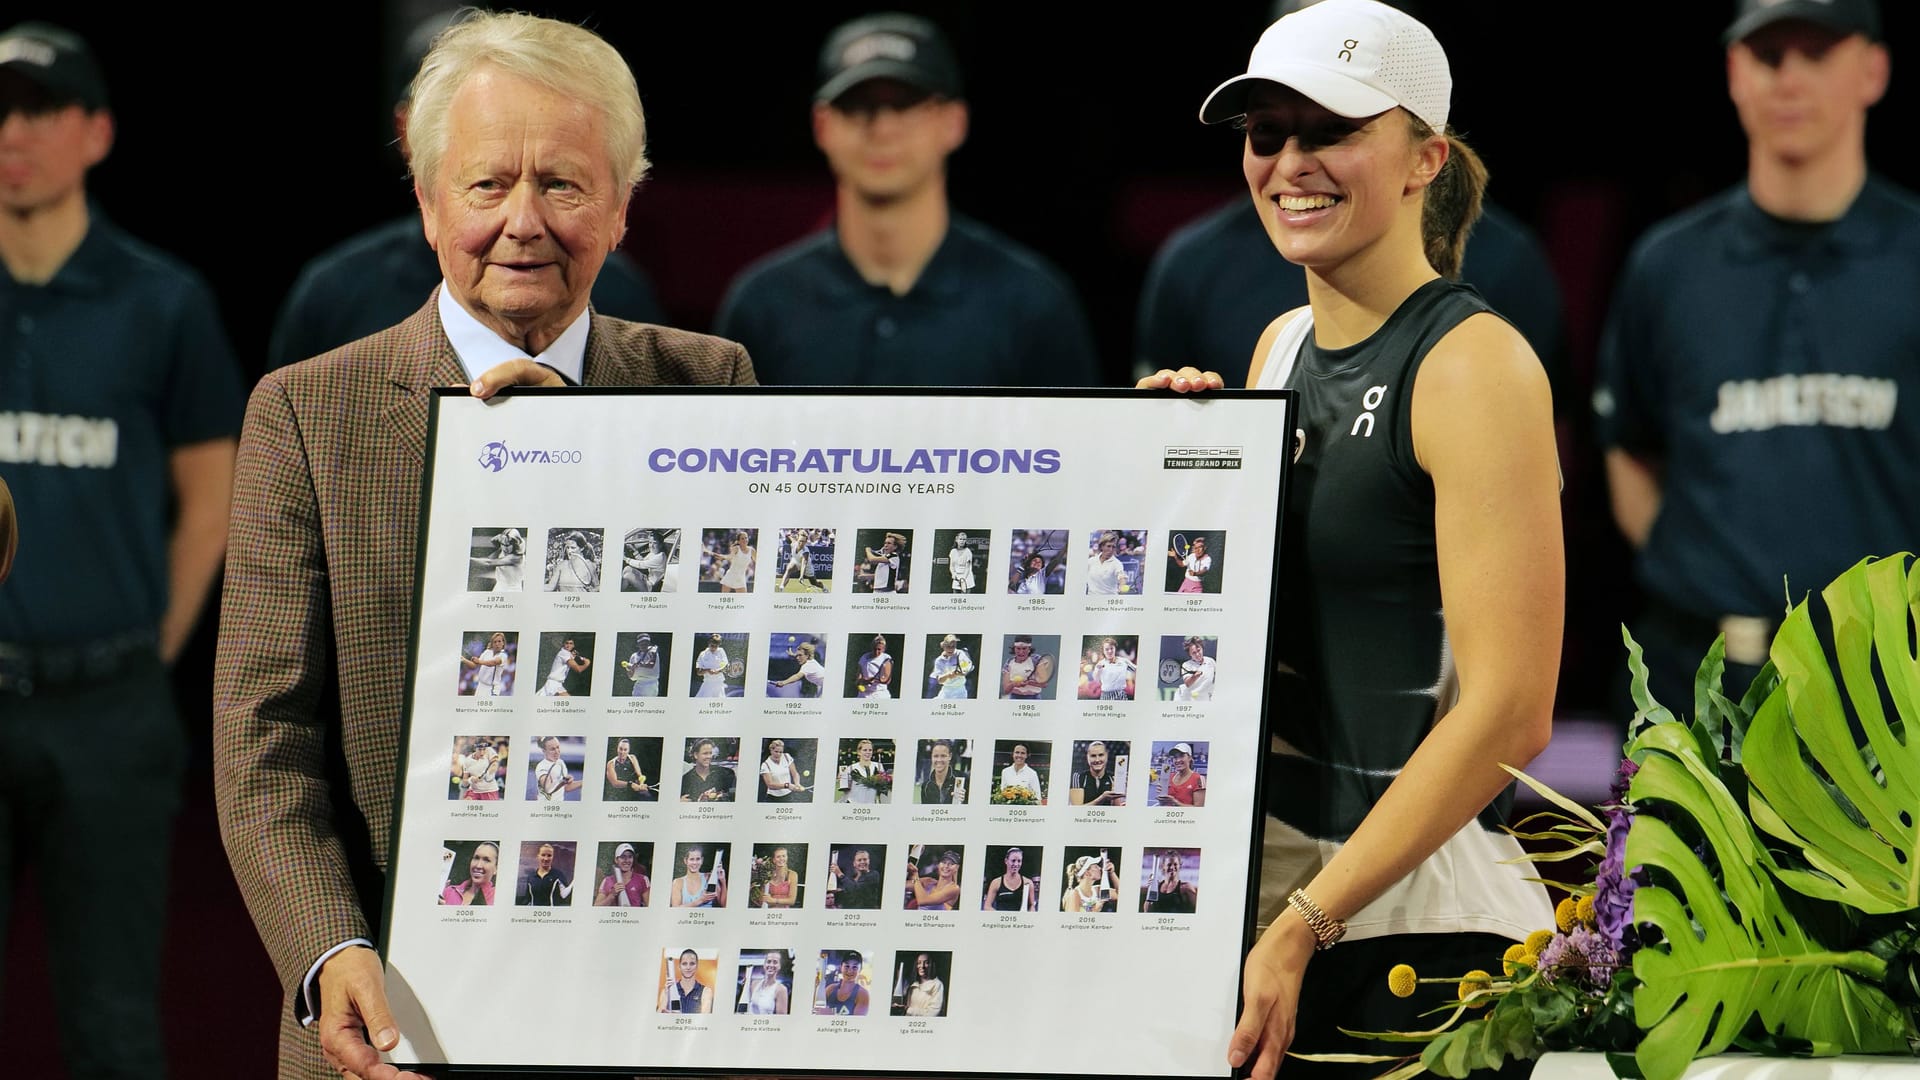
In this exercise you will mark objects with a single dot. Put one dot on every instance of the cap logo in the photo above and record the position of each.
(1347, 53)
(37, 53)
(878, 46)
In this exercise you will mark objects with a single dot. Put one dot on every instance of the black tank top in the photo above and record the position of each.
(1362, 643)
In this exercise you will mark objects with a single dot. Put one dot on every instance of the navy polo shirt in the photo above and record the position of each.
(1217, 283)
(984, 312)
(103, 371)
(1773, 367)
(376, 279)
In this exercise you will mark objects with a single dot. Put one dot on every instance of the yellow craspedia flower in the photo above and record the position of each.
(1476, 981)
(1537, 941)
(1402, 980)
(1565, 914)
(1584, 911)
(1516, 956)
(1531, 960)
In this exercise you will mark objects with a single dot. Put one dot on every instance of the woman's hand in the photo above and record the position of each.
(1271, 985)
(1187, 380)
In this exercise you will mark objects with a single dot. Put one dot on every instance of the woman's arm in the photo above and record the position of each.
(1483, 430)
(1200, 799)
(780, 998)
(923, 896)
(677, 890)
(706, 1000)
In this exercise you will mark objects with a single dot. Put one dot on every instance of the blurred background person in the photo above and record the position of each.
(899, 290)
(119, 407)
(1806, 390)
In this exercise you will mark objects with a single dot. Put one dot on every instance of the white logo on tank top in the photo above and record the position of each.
(1371, 401)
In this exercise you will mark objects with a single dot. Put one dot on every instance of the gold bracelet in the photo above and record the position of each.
(1326, 931)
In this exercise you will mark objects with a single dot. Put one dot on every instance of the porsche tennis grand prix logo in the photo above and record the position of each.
(1201, 457)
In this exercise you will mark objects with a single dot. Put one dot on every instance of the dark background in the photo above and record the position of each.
(249, 142)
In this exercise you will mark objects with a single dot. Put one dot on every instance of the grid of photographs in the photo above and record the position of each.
(1027, 715)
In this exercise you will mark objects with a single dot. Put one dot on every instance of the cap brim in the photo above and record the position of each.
(1330, 90)
(1818, 15)
(878, 68)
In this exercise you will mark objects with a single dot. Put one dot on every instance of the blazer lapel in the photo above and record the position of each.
(607, 366)
(422, 360)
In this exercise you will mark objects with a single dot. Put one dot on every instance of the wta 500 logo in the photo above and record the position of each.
(496, 456)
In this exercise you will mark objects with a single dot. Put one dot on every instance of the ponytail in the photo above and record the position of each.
(1452, 204)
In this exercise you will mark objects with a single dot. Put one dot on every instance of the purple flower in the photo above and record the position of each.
(1579, 956)
(1622, 777)
(1613, 888)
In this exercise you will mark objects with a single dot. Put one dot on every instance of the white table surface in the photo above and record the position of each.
(1743, 1067)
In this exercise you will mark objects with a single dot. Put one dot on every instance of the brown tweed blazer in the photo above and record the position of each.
(319, 587)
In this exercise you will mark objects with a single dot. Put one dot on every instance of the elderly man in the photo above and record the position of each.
(374, 278)
(527, 138)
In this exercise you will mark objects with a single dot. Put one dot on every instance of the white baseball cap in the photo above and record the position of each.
(1353, 57)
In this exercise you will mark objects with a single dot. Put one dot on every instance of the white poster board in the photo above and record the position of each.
(700, 572)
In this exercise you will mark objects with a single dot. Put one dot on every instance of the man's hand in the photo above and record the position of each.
(1271, 986)
(517, 372)
(353, 1003)
(1186, 381)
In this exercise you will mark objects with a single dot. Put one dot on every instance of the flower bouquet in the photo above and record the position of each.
(879, 781)
(1758, 877)
(1016, 795)
(760, 875)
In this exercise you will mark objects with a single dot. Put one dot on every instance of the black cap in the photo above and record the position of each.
(888, 46)
(1845, 16)
(55, 60)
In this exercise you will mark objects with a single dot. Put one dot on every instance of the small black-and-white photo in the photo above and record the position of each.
(650, 561)
(496, 560)
(960, 561)
(573, 560)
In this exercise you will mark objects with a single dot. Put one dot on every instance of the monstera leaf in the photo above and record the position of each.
(1732, 951)
(1853, 819)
